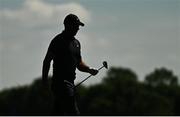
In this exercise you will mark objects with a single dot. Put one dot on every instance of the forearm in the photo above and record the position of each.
(83, 67)
(45, 71)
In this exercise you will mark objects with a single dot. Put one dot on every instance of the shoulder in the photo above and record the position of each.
(56, 39)
(54, 42)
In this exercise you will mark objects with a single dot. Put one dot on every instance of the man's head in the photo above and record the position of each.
(72, 23)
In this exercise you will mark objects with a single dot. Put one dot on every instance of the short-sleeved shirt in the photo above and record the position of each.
(67, 56)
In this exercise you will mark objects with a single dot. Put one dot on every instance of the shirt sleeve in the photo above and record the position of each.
(52, 46)
(79, 50)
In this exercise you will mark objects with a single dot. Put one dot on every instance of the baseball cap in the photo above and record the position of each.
(72, 20)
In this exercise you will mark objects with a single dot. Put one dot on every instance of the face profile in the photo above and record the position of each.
(72, 23)
(72, 29)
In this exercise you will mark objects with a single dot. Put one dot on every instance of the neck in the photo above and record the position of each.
(68, 33)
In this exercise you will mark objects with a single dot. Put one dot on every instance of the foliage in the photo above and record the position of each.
(119, 93)
(161, 77)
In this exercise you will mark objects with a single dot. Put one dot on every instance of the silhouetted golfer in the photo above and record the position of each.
(65, 52)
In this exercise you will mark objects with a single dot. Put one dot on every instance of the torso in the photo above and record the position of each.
(67, 56)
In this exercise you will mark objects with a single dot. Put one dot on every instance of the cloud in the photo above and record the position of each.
(25, 34)
(121, 35)
(35, 17)
(37, 12)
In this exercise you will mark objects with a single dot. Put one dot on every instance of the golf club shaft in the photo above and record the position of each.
(83, 81)
(87, 78)
(100, 68)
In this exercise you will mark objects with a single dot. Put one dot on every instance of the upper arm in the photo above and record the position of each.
(49, 54)
(48, 57)
(79, 66)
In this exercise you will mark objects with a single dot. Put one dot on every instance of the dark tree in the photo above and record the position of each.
(119, 93)
(161, 76)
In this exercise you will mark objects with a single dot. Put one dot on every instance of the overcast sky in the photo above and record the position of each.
(138, 34)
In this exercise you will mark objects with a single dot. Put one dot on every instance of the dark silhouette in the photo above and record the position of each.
(161, 77)
(64, 50)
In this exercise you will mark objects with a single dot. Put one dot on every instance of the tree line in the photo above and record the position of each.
(119, 93)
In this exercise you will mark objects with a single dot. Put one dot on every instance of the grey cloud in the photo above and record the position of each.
(130, 39)
(25, 35)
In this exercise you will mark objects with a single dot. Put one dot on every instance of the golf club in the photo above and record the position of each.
(104, 65)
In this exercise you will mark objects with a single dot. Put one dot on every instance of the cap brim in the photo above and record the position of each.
(81, 24)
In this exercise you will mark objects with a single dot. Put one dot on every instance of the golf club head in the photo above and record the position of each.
(105, 64)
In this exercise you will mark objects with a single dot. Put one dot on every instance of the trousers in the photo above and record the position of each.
(64, 98)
